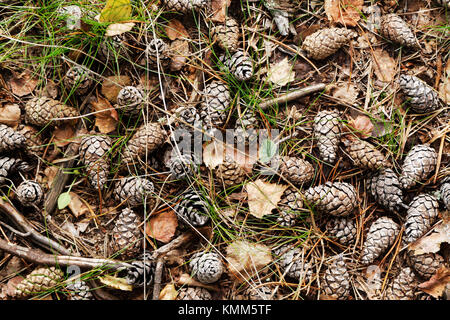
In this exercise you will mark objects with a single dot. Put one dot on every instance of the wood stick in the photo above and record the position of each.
(158, 276)
(292, 95)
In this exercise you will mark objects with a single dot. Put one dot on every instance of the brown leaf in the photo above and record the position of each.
(432, 243)
(23, 84)
(362, 125)
(437, 283)
(219, 10)
(50, 174)
(112, 85)
(168, 292)
(162, 227)
(384, 65)
(106, 120)
(345, 12)
(179, 52)
(63, 135)
(77, 206)
(444, 87)
(12, 284)
(176, 30)
(346, 93)
(263, 197)
(10, 114)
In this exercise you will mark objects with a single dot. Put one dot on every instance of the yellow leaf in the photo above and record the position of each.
(116, 10)
(116, 283)
(263, 197)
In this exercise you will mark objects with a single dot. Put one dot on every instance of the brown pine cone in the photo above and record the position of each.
(403, 286)
(288, 206)
(445, 192)
(396, 29)
(336, 280)
(29, 193)
(327, 130)
(295, 170)
(41, 111)
(126, 235)
(425, 264)
(381, 236)
(185, 6)
(130, 100)
(334, 198)
(94, 154)
(215, 107)
(365, 155)
(193, 293)
(134, 191)
(34, 142)
(239, 64)
(230, 173)
(259, 293)
(385, 187)
(78, 79)
(419, 163)
(227, 34)
(10, 139)
(342, 230)
(323, 43)
(418, 94)
(146, 139)
(38, 281)
(422, 213)
(9, 165)
(245, 128)
(292, 263)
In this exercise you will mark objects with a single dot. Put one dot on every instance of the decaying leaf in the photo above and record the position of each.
(244, 259)
(118, 28)
(116, 283)
(23, 84)
(361, 125)
(179, 53)
(105, 120)
(346, 93)
(112, 85)
(219, 10)
(77, 206)
(345, 12)
(281, 73)
(263, 197)
(169, 292)
(63, 135)
(437, 283)
(176, 30)
(384, 65)
(162, 226)
(432, 243)
(10, 114)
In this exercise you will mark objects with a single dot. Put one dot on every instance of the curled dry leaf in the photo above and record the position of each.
(107, 117)
(344, 12)
(176, 30)
(432, 243)
(384, 65)
(361, 125)
(219, 10)
(281, 73)
(77, 206)
(112, 85)
(246, 259)
(23, 84)
(263, 197)
(162, 226)
(437, 283)
(10, 114)
(169, 292)
(179, 52)
(63, 135)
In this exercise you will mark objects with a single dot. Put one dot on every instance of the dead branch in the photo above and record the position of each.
(158, 276)
(292, 95)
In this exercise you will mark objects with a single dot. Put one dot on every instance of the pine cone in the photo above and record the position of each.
(193, 293)
(296, 170)
(422, 213)
(113, 48)
(182, 166)
(189, 119)
(342, 230)
(245, 128)
(381, 236)
(142, 271)
(403, 286)
(327, 130)
(78, 79)
(94, 153)
(42, 111)
(79, 290)
(227, 34)
(288, 206)
(216, 104)
(421, 97)
(396, 29)
(206, 267)
(192, 209)
(418, 164)
(157, 49)
(281, 11)
(9, 165)
(239, 64)
(259, 293)
(10, 139)
(29, 193)
(229, 173)
(364, 155)
(334, 198)
(33, 141)
(385, 187)
(445, 192)
(146, 139)
(126, 234)
(336, 280)
(323, 43)
(184, 6)
(292, 263)
(39, 280)
(426, 264)
(130, 100)
(134, 190)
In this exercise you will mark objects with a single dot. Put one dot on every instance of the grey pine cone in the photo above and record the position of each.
(419, 163)
(421, 97)
(295, 170)
(292, 263)
(134, 191)
(192, 209)
(79, 290)
(206, 267)
(336, 280)
(142, 271)
(215, 107)
(130, 100)
(29, 193)
(334, 198)
(445, 192)
(34, 143)
(290, 203)
(78, 79)
(227, 34)
(422, 213)
(193, 293)
(385, 188)
(9, 165)
(397, 30)
(403, 286)
(365, 155)
(343, 230)
(94, 154)
(426, 264)
(327, 129)
(10, 139)
(239, 64)
(185, 6)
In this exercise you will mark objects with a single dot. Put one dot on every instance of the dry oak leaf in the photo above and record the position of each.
(176, 30)
(245, 259)
(281, 73)
(106, 117)
(112, 85)
(432, 242)
(437, 283)
(384, 65)
(362, 125)
(162, 226)
(10, 114)
(219, 10)
(63, 135)
(263, 197)
(345, 12)
(169, 292)
(23, 84)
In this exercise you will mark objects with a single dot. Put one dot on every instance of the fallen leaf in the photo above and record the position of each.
(168, 292)
(116, 283)
(444, 87)
(345, 12)
(432, 243)
(281, 73)
(105, 120)
(437, 283)
(63, 200)
(70, 227)
(10, 114)
(23, 84)
(77, 206)
(263, 197)
(176, 30)
(118, 28)
(384, 65)
(112, 85)
(179, 52)
(63, 135)
(115, 11)
(50, 174)
(162, 227)
(213, 154)
(245, 259)
(219, 10)
(362, 125)
(12, 284)
(346, 93)
(187, 280)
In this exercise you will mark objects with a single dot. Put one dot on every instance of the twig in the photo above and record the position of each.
(175, 243)
(292, 95)
(158, 276)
